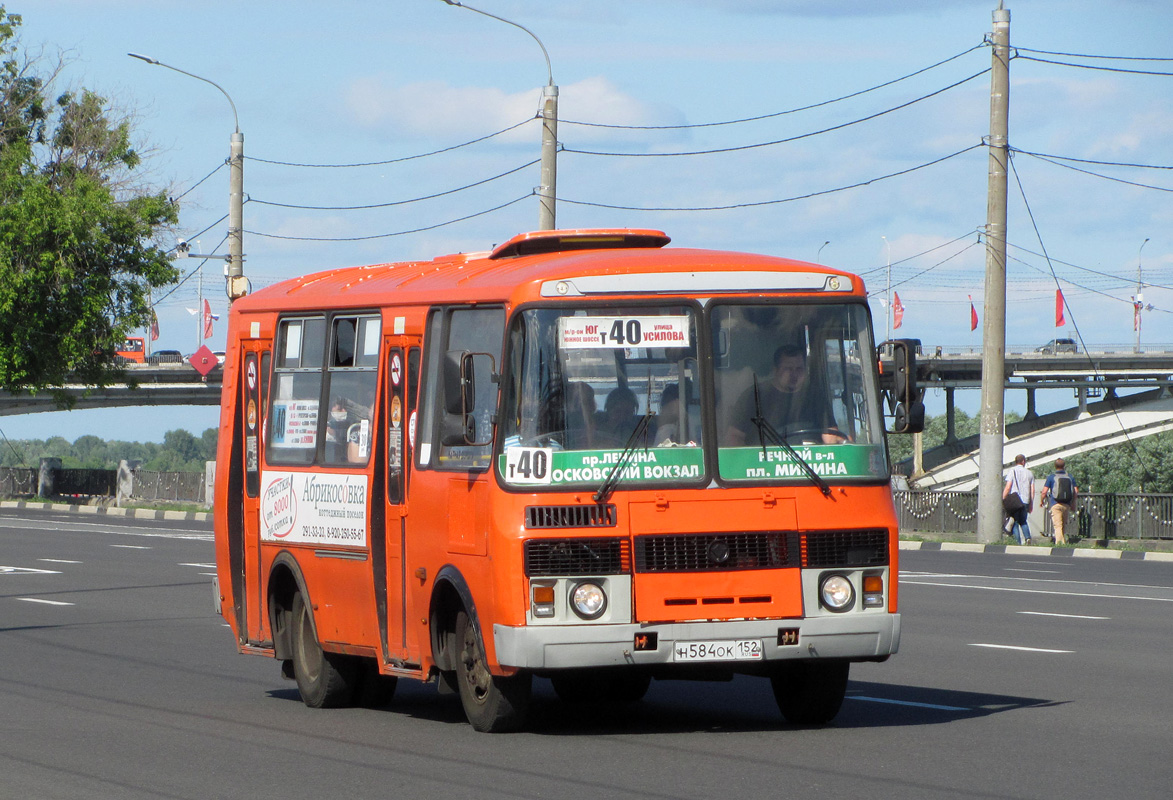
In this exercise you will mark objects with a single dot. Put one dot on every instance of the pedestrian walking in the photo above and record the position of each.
(1020, 481)
(1059, 492)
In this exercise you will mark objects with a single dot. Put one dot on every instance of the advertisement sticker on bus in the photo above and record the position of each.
(314, 508)
(295, 423)
(579, 333)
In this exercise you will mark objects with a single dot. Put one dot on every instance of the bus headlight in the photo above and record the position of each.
(837, 593)
(588, 600)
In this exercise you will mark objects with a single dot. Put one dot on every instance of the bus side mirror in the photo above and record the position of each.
(460, 378)
(909, 411)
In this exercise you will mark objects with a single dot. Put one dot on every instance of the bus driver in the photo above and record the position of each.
(786, 402)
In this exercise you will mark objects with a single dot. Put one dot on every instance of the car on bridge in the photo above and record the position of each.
(1058, 346)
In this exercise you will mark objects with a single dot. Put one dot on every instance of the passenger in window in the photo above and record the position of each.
(618, 420)
(343, 432)
(669, 420)
(787, 403)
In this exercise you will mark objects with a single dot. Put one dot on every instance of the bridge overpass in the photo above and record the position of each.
(1091, 424)
(150, 385)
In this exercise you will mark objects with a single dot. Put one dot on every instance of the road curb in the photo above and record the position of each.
(1022, 549)
(131, 513)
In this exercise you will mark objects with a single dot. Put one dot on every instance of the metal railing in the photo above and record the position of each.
(1098, 516)
(181, 487)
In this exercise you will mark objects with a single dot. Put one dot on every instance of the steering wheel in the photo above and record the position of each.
(814, 436)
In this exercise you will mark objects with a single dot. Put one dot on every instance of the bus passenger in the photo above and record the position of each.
(786, 402)
(618, 420)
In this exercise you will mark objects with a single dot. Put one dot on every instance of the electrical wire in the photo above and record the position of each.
(917, 255)
(1088, 55)
(777, 201)
(1098, 175)
(897, 285)
(397, 202)
(1074, 323)
(775, 113)
(193, 271)
(393, 160)
(201, 180)
(393, 233)
(1094, 67)
(786, 140)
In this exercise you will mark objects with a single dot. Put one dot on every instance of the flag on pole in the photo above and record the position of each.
(973, 320)
(154, 326)
(1137, 305)
(897, 310)
(209, 317)
(1060, 320)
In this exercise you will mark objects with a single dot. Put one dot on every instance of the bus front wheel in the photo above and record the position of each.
(325, 680)
(493, 704)
(810, 692)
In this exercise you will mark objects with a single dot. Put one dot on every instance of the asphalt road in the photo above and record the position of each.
(1018, 676)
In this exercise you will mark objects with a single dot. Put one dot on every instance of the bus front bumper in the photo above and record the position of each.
(847, 636)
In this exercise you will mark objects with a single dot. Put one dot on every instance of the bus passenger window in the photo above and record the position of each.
(353, 373)
(292, 425)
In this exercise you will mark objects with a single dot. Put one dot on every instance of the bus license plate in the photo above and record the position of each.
(730, 650)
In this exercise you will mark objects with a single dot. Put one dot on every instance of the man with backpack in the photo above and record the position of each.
(1060, 491)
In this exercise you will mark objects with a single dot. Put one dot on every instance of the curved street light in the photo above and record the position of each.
(547, 192)
(237, 283)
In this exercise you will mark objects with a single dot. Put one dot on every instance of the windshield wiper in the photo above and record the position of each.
(613, 477)
(766, 431)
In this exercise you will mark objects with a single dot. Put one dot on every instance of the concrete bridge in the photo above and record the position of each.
(150, 385)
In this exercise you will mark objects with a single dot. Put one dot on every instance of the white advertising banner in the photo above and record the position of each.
(314, 508)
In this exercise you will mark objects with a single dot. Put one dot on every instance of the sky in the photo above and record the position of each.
(847, 132)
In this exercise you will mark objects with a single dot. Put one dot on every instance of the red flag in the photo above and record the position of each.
(154, 327)
(1060, 321)
(207, 320)
(973, 320)
(897, 310)
(1136, 306)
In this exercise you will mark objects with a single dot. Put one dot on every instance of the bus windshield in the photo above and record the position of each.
(800, 373)
(580, 381)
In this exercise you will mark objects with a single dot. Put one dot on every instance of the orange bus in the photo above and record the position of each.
(134, 350)
(582, 456)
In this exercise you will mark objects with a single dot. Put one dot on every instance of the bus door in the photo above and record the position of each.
(254, 388)
(391, 570)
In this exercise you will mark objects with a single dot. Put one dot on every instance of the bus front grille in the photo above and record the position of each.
(716, 552)
(845, 548)
(559, 557)
(593, 516)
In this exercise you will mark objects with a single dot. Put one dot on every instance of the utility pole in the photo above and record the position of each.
(993, 424)
(888, 291)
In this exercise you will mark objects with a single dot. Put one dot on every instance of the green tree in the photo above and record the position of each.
(77, 252)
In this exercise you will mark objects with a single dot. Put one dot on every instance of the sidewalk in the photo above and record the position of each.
(133, 513)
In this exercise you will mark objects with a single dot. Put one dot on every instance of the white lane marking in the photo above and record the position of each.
(107, 527)
(58, 561)
(46, 602)
(1041, 571)
(213, 574)
(1028, 580)
(1064, 616)
(906, 703)
(201, 566)
(1017, 647)
(1041, 591)
(27, 571)
(131, 546)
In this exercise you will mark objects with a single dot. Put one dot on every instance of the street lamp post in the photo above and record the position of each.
(237, 283)
(819, 254)
(548, 191)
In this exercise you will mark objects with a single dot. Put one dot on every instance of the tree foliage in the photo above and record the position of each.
(77, 252)
(179, 452)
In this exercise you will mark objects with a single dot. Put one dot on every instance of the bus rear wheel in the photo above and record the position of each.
(493, 704)
(810, 692)
(325, 680)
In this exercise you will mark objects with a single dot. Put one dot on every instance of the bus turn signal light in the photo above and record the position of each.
(873, 591)
(543, 600)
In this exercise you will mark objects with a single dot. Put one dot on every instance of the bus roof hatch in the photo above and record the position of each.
(537, 242)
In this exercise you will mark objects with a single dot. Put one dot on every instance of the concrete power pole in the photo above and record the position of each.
(993, 424)
(237, 283)
(548, 191)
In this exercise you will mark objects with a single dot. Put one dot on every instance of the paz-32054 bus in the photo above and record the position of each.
(582, 456)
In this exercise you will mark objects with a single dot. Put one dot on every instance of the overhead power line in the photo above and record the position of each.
(777, 201)
(775, 113)
(1094, 66)
(800, 136)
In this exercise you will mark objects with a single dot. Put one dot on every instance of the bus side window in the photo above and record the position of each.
(353, 381)
(450, 332)
(292, 424)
